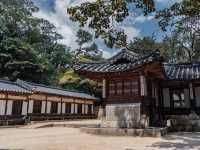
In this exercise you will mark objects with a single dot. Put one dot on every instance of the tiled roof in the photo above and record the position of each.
(182, 71)
(111, 65)
(53, 90)
(7, 86)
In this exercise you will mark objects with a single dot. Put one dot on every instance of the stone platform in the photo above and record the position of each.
(147, 132)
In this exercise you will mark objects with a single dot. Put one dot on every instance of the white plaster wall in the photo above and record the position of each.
(166, 97)
(48, 107)
(9, 107)
(30, 106)
(24, 108)
(76, 109)
(43, 107)
(72, 108)
(63, 108)
(59, 108)
(92, 109)
(2, 107)
(197, 94)
(83, 108)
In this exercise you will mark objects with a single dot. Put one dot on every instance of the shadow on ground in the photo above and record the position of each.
(179, 141)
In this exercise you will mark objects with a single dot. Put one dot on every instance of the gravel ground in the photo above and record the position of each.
(64, 138)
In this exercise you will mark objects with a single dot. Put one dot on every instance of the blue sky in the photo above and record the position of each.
(136, 25)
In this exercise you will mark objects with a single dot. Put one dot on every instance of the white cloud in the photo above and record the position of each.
(131, 32)
(61, 20)
(169, 2)
(68, 29)
(142, 18)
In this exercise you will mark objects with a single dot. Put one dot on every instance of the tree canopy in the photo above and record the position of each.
(29, 47)
(101, 16)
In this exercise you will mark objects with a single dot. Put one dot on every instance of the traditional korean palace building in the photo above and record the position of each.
(142, 91)
(40, 102)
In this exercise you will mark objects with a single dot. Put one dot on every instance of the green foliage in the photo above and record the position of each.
(28, 45)
(143, 45)
(184, 44)
(86, 50)
(71, 80)
(101, 16)
(179, 10)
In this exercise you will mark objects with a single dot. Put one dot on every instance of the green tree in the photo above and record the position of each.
(143, 45)
(87, 50)
(101, 16)
(29, 45)
(184, 43)
(179, 10)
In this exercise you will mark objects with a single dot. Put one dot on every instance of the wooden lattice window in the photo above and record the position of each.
(135, 87)
(17, 107)
(67, 108)
(89, 109)
(111, 88)
(119, 88)
(127, 87)
(54, 107)
(79, 108)
(37, 106)
(178, 98)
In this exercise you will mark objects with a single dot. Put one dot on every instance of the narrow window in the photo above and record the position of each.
(119, 88)
(54, 107)
(17, 107)
(68, 108)
(111, 88)
(135, 87)
(178, 98)
(127, 87)
(89, 109)
(79, 108)
(37, 107)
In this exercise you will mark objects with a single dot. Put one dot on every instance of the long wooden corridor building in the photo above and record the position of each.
(39, 102)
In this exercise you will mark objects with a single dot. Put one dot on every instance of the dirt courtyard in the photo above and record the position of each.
(66, 138)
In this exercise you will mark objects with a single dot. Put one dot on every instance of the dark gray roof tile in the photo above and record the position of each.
(54, 90)
(182, 71)
(7, 86)
(111, 65)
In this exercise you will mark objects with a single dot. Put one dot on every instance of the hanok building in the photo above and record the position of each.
(20, 98)
(142, 91)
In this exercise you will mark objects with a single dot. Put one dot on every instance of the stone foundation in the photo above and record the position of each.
(189, 122)
(148, 132)
(124, 116)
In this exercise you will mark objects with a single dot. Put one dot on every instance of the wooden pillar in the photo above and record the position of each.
(6, 107)
(192, 100)
(61, 106)
(46, 105)
(27, 104)
(143, 85)
(104, 88)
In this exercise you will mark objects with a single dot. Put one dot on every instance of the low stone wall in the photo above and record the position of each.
(148, 132)
(189, 122)
(124, 116)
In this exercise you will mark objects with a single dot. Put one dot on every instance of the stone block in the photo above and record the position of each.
(124, 116)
